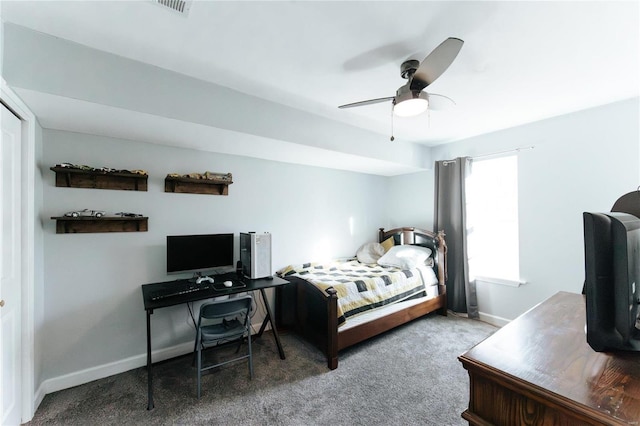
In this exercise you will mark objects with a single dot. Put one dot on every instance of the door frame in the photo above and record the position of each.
(28, 254)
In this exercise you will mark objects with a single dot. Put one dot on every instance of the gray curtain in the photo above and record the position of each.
(450, 217)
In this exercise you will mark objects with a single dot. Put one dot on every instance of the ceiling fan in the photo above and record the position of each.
(410, 99)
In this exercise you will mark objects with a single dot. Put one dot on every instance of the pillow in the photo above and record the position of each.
(405, 257)
(388, 243)
(370, 253)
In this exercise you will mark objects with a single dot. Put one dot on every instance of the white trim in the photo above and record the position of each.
(39, 395)
(28, 165)
(510, 283)
(81, 377)
(101, 371)
(493, 320)
(501, 153)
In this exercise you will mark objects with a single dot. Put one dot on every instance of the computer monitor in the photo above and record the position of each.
(199, 253)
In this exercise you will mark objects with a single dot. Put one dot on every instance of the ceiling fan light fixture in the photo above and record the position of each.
(411, 104)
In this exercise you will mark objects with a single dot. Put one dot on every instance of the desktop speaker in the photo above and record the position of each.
(255, 254)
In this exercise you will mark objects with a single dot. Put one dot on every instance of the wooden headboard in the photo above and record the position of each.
(416, 236)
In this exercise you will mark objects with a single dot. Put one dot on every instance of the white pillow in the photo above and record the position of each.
(370, 253)
(405, 257)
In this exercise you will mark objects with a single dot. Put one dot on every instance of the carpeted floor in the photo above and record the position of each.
(407, 376)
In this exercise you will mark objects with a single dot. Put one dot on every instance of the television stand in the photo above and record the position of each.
(539, 369)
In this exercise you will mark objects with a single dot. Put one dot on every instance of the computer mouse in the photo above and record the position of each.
(228, 283)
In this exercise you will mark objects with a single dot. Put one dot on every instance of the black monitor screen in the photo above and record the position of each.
(196, 253)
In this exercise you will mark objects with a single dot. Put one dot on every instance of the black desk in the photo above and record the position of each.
(149, 290)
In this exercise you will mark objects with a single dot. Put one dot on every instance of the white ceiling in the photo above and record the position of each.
(521, 61)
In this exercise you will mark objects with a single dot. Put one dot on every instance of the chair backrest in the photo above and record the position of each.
(227, 308)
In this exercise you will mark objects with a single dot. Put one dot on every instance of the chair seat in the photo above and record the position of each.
(228, 329)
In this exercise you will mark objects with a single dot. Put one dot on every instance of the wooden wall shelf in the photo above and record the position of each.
(78, 225)
(78, 178)
(186, 185)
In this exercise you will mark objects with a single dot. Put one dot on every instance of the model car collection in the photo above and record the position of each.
(86, 213)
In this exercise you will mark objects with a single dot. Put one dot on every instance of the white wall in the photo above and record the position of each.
(93, 307)
(1, 43)
(581, 162)
(410, 200)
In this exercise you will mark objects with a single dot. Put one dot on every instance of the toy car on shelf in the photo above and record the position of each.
(86, 213)
(127, 214)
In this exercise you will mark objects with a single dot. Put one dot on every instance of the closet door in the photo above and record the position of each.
(10, 281)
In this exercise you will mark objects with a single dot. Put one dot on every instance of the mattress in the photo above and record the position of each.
(365, 288)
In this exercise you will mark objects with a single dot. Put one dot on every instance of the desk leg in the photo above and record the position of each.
(149, 363)
(269, 318)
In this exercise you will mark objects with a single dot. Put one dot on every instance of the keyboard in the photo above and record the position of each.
(159, 295)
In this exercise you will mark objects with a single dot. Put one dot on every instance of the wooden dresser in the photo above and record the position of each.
(539, 370)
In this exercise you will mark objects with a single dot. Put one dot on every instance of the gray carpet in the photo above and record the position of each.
(407, 376)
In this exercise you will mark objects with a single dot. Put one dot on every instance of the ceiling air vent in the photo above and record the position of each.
(179, 6)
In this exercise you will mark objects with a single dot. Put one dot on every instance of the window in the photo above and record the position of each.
(492, 220)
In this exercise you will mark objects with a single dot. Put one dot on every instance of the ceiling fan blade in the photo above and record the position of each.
(368, 102)
(436, 63)
(440, 102)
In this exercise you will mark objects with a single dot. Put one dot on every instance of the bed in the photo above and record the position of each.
(317, 304)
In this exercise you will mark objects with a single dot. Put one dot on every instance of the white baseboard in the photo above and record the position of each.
(494, 320)
(101, 371)
(38, 397)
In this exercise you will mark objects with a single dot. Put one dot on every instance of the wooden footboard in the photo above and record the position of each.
(364, 331)
(316, 317)
(312, 313)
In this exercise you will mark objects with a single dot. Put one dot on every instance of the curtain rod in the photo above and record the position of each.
(493, 154)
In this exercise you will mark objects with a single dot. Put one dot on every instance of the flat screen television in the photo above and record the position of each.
(612, 281)
(199, 253)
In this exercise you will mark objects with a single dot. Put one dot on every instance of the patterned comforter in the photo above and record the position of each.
(362, 287)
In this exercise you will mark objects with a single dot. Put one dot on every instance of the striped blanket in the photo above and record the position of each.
(362, 287)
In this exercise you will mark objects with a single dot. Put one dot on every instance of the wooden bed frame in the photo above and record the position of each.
(312, 313)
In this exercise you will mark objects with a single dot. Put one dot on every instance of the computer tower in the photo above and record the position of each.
(255, 254)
